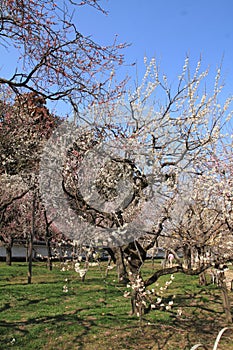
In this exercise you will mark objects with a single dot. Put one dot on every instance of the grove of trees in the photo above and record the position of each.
(133, 171)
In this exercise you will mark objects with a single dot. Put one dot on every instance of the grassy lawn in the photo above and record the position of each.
(94, 314)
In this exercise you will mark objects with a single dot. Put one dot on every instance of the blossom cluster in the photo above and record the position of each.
(149, 298)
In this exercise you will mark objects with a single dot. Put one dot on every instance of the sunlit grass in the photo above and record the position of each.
(94, 314)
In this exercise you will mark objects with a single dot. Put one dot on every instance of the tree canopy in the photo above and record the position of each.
(54, 58)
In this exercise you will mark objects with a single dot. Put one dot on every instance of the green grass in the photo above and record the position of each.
(94, 314)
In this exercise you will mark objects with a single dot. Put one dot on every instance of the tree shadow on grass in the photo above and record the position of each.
(5, 307)
(125, 335)
(200, 321)
(72, 321)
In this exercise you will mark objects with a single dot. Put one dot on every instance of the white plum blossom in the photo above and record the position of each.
(126, 294)
(65, 288)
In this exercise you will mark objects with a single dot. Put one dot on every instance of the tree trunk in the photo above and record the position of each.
(187, 256)
(9, 254)
(202, 279)
(49, 258)
(225, 299)
(121, 268)
(138, 298)
(31, 237)
(48, 243)
(30, 252)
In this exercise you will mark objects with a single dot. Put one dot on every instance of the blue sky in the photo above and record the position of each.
(167, 30)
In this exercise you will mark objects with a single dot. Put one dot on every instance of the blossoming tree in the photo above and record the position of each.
(47, 43)
(152, 152)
